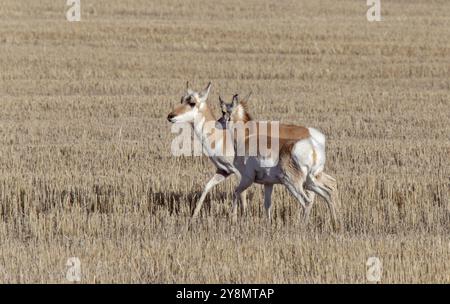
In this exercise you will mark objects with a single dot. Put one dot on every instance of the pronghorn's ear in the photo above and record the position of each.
(189, 91)
(235, 100)
(204, 94)
(247, 98)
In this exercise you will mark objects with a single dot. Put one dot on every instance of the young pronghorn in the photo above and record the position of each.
(298, 163)
(194, 110)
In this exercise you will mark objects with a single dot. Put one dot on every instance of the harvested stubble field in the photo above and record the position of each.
(86, 169)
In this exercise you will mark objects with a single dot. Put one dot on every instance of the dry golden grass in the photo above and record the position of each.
(85, 160)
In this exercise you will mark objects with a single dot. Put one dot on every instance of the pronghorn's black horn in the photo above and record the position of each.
(208, 87)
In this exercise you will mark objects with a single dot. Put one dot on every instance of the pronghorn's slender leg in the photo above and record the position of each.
(318, 187)
(268, 201)
(297, 192)
(219, 177)
(308, 207)
(296, 189)
(244, 183)
(243, 198)
(330, 183)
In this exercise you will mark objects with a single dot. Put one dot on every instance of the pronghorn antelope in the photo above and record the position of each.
(194, 110)
(298, 163)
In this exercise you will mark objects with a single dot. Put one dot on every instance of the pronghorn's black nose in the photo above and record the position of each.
(170, 116)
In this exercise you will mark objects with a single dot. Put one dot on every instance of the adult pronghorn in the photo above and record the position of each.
(298, 162)
(194, 110)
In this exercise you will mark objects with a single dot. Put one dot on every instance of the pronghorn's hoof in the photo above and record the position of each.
(195, 218)
(195, 214)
